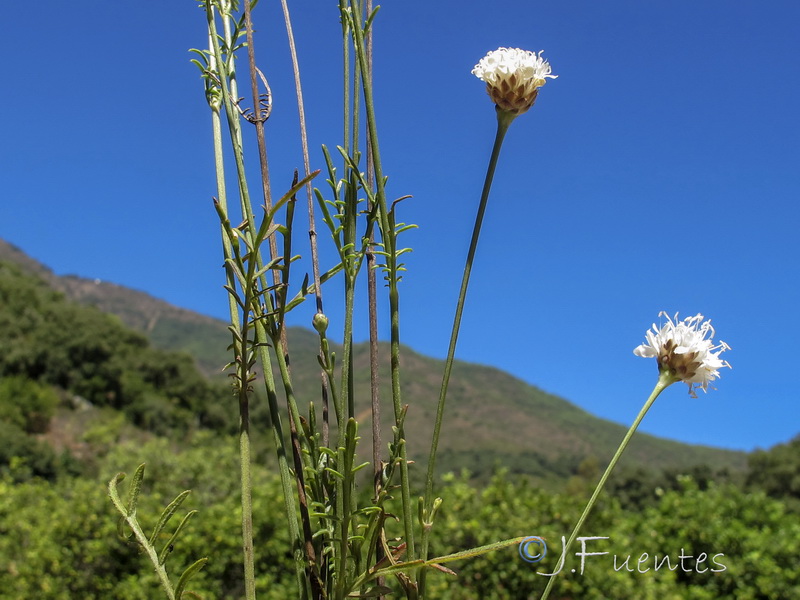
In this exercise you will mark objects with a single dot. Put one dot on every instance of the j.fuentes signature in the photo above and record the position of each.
(534, 549)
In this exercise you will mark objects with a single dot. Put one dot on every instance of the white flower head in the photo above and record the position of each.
(513, 77)
(685, 349)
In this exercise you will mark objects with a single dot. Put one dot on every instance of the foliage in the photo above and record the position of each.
(26, 404)
(58, 540)
(26, 408)
(559, 434)
(757, 536)
(637, 487)
(23, 456)
(91, 355)
(777, 472)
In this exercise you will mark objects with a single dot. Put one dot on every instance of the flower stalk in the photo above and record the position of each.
(664, 381)
(513, 78)
(504, 120)
(685, 352)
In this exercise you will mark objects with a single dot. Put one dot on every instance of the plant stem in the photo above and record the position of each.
(372, 294)
(351, 145)
(504, 120)
(244, 409)
(389, 243)
(227, 87)
(258, 121)
(247, 509)
(298, 555)
(313, 572)
(664, 380)
(312, 229)
(141, 538)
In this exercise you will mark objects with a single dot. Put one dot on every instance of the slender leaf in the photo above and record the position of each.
(190, 572)
(136, 486)
(167, 515)
(165, 552)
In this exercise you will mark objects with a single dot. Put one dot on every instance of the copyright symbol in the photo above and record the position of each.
(532, 549)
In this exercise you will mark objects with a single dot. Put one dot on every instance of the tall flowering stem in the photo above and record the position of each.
(664, 380)
(504, 120)
(685, 352)
(513, 78)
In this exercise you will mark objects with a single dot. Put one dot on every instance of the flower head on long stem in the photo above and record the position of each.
(685, 353)
(513, 77)
(685, 350)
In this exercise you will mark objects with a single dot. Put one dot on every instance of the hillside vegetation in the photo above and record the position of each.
(83, 396)
(551, 436)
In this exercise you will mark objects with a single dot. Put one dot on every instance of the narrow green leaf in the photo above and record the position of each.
(309, 289)
(371, 18)
(136, 486)
(231, 263)
(290, 194)
(234, 295)
(166, 550)
(113, 492)
(474, 551)
(190, 572)
(402, 567)
(167, 515)
(334, 473)
(326, 216)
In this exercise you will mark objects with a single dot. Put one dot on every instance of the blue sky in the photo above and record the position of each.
(659, 171)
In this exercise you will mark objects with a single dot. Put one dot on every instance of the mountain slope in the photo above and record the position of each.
(168, 327)
(493, 418)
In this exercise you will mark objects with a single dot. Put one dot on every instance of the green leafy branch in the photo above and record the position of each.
(128, 512)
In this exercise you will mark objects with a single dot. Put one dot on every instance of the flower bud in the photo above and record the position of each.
(320, 323)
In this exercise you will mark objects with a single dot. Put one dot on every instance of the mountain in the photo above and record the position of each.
(494, 419)
(168, 327)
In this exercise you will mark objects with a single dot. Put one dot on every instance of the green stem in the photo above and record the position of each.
(149, 549)
(299, 468)
(504, 120)
(349, 233)
(262, 338)
(244, 409)
(389, 243)
(372, 302)
(347, 350)
(227, 82)
(351, 268)
(247, 490)
(664, 380)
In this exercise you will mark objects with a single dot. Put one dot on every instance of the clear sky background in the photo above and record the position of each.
(659, 171)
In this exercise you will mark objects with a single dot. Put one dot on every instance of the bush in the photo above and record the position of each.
(27, 404)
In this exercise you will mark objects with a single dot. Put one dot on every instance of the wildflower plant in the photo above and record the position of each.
(341, 545)
(685, 352)
(344, 544)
